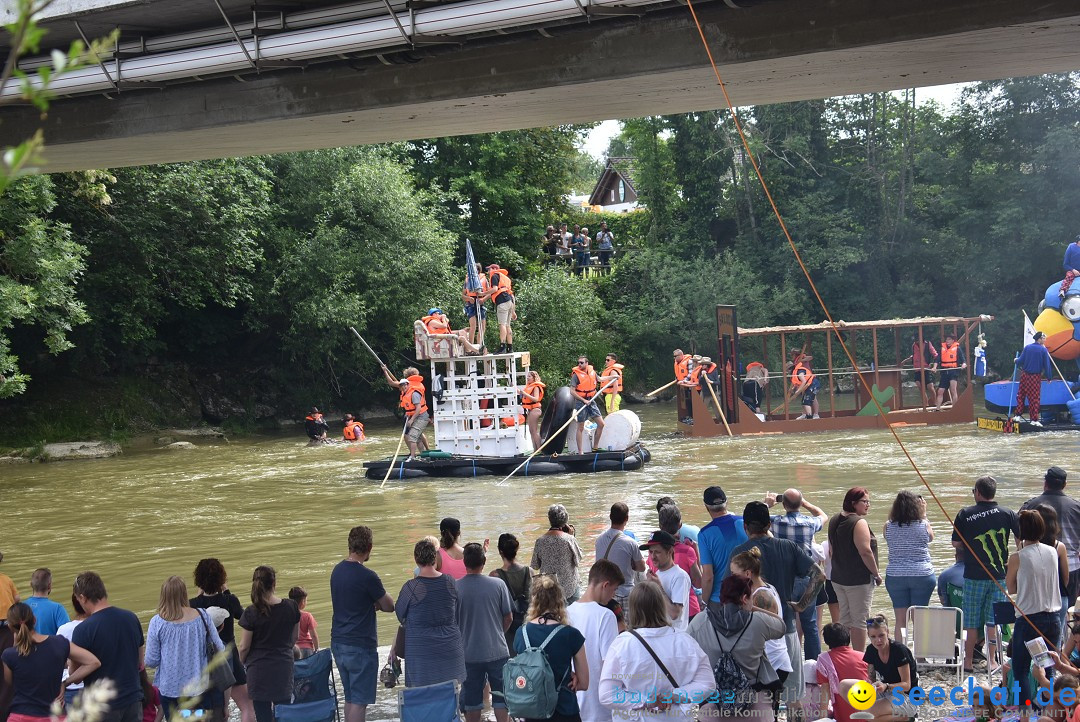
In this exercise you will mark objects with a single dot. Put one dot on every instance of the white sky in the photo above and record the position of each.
(596, 142)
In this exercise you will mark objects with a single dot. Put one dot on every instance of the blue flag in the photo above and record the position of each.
(472, 278)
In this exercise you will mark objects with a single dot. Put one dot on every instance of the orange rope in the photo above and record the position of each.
(828, 315)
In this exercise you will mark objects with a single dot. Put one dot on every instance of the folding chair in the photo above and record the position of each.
(934, 641)
(431, 703)
(314, 697)
(1004, 618)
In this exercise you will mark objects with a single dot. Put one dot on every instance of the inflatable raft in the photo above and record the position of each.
(1001, 397)
(539, 465)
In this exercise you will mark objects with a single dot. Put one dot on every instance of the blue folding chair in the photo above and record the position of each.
(431, 703)
(314, 697)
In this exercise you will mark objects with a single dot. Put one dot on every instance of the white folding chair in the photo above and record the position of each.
(934, 639)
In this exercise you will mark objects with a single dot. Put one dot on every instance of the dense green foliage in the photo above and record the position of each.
(254, 268)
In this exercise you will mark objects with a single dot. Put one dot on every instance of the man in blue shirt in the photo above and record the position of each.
(1034, 363)
(715, 542)
(48, 615)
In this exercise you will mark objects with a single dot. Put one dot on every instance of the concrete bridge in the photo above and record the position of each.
(604, 60)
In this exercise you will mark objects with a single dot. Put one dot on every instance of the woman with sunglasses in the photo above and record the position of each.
(893, 665)
(855, 566)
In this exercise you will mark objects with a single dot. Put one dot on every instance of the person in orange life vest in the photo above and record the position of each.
(354, 430)
(705, 374)
(952, 360)
(584, 384)
(502, 295)
(805, 382)
(414, 402)
(438, 324)
(754, 380)
(682, 370)
(531, 396)
(612, 394)
(475, 309)
(315, 425)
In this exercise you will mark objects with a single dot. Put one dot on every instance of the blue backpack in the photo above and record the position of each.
(529, 687)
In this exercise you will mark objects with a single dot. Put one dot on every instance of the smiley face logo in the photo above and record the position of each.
(862, 695)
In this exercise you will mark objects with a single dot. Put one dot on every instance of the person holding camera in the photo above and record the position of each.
(556, 552)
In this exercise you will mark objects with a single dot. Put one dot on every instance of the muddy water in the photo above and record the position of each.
(151, 513)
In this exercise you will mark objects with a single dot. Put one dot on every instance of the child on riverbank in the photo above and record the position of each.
(308, 639)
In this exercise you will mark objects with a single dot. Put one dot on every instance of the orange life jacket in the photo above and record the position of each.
(416, 383)
(949, 355)
(696, 375)
(427, 324)
(797, 380)
(534, 388)
(614, 370)
(354, 431)
(682, 369)
(509, 421)
(584, 382)
(487, 421)
(484, 287)
(504, 290)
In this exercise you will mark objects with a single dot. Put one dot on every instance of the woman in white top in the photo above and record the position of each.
(1032, 578)
(632, 680)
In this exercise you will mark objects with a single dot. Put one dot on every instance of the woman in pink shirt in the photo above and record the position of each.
(450, 552)
(686, 553)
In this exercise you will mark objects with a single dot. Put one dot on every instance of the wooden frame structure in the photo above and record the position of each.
(736, 347)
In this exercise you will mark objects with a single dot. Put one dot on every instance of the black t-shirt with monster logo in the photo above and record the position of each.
(987, 528)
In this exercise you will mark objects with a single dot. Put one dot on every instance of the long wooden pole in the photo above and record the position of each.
(396, 451)
(558, 431)
(723, 416)
(665, 386)
(367, 347)
(1065, 380)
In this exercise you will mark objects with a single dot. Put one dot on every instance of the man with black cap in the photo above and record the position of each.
(674, 580)
(1034, 364)
(782, 562)
(1068, 513)
(715, 542)
(315, 425)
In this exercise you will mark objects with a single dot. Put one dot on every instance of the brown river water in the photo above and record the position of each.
(151, 513)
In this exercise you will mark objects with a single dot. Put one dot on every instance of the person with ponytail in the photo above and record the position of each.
(34, 667)
(451, 552)
(270, 627)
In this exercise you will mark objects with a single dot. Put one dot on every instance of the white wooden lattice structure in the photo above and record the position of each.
(462, 426)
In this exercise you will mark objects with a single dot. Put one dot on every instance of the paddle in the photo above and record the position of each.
(397, 450)
(558, 431)
(667, 385)
(723, 416)
(367, 347)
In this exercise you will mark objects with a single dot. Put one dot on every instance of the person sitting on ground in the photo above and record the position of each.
(840, 662)
(315, 425)
(895, 668)
(584, 384)
(1056, 711)
(437, 324)
(354, 430)
(33, 667)
(532, 394)
(414, 402)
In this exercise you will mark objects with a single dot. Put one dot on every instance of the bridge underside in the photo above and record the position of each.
(777, 51)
